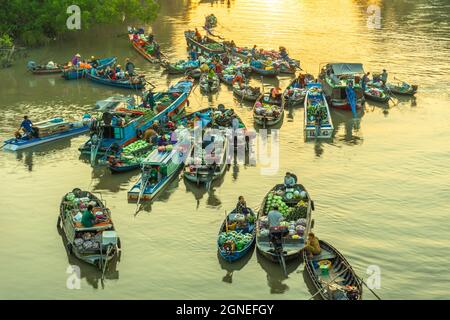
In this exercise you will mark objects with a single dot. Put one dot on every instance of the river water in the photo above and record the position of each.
(381, 187)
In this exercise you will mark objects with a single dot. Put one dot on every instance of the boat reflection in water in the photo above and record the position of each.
(275, 273)
(201, 190)
(351, 126)
(230, 268)
(90, 273)
(26, 156)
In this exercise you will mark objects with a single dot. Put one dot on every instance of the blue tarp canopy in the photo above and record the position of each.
(347, 68)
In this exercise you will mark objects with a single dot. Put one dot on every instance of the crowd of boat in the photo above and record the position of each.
(155, 135)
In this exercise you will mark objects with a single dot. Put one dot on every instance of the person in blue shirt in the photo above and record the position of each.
(275, 217)
(27, 127)
(289, 180)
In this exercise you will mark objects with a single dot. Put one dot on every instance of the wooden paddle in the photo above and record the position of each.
(363, 282)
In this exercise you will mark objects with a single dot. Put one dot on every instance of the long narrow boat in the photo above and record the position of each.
(144, 48)
(236, 235)
(268, 111)
(376, 94)
(402, 88)
(247, 92)
(135, 120)
(332, 276)
(335, 78)
(180, 67)
(206, 162)
(316, 110)
(74, 73)
(295, 204)
(209, 47)
(266, 71)
(48, 131)
(160, 167)
(295, 92)
(207, 85)
(44, 69)
(97, 244)
(136, 83)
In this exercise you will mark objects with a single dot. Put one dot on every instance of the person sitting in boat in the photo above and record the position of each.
(241, 206)
(225, 60)
(129, 67)
(283, 53)
(150, 136)
(218, 68)
(290, 180)
(88, 219)
(204, 67)
(156, 127)
(135, 37)
(384, 77)
(76, 59)
(27, 128)
(275, 93)
(254, 51)
(312, 245)
(120, 74)
(112, 74)
(239, 77)
(151, 37)
(51, 65)
(198, 36)
(193, 55)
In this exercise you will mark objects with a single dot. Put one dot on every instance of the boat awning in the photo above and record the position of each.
(347, 68)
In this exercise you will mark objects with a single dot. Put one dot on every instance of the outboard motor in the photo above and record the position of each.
(275, 236)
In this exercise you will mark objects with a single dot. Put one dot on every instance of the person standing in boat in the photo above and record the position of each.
(384, 77)
(312, 245)
(275, 217)
(129, 67)
(76, 59)
(365, 79)
(157, 50)
(198, 36)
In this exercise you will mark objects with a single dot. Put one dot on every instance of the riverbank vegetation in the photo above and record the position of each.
(36, 22)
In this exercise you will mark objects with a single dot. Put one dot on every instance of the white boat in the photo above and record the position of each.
(160, 167)
(207, 163)
(316, 105)
(48, 131)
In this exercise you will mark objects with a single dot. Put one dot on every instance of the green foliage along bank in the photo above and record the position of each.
(35, 22)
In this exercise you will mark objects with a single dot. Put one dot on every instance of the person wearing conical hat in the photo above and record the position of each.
(76, 59)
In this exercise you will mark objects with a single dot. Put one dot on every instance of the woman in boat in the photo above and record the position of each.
(198, 36)
(88, 219)
(76, 59)
(289, 180)
(239, 77)
(276, 93)
(312, 245)
(241, 206)
(365, 79)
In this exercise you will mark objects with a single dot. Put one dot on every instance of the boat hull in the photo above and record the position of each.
(117, 84)
(14, 146)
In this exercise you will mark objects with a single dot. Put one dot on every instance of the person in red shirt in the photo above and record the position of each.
(218, 68)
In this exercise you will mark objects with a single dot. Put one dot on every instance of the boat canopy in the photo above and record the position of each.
(347, 68)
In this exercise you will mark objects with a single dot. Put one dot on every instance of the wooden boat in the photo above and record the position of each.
(74, 73)
(316, 105)
(335, 78)
(294, 242)
(133, 120)
(209, 48)
(221, 119)
(96, 245)
(402, 88)
(143, 47)
(206, 163)
(295, 93)
(268, 111)
(136, 83)
(247, 92)
(207, 85)
(129, 158)
(44, 69)
(180, 67)
(336, 279)
(233, 245)
(272, 71)
(160, 167)
(49, 131)
(376, 94)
